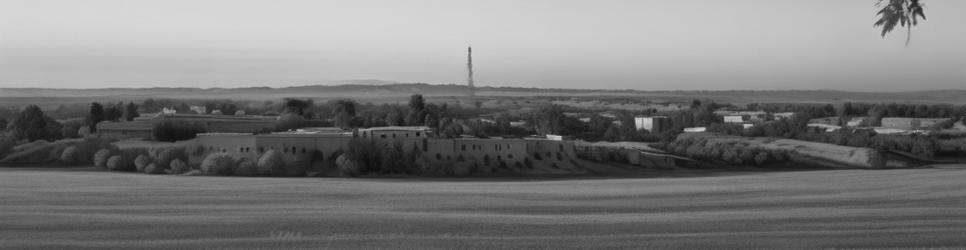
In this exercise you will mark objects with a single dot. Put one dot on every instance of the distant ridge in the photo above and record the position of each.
(379, 89)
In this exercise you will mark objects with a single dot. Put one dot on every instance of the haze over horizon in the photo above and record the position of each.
(645, 45)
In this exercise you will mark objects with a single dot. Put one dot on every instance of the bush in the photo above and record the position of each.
(70, 155)
(218, 164)
(177, 166)
(100, 158)
(761, 158)
(271, 164)
(348, 167)
(119, 163)
(153, 169)
(165, 156)
(141, 162)
(461, 169)
(246, 168)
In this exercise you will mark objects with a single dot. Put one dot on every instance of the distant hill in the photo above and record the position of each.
(378, 90)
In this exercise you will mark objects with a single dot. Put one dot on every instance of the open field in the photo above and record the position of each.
(805, 209)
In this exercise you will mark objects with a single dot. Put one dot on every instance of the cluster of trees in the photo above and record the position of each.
(729, 153)
(113, 112)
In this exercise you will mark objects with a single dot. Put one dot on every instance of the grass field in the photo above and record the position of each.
(804, 209)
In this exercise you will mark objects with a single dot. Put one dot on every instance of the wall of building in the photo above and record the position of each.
(910, 123)
(238, 146)
(510, 151)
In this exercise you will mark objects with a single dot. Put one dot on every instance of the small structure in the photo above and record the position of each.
(734, 119)
(859, 121)
(783, 115)
(695, 129)
(654, 124)
(826, 127)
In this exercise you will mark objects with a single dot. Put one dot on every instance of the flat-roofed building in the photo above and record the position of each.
(122, 130)
(654, 124)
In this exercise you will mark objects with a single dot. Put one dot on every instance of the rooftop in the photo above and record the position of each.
(397, 128)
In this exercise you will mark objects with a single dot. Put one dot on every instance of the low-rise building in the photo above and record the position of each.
(911, 123)
(123, 130)
(654, 124)
(695, 129)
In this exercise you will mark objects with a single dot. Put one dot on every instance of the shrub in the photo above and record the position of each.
(100, 158)
(119, 163)
(141, 162)
(177, 166)
(218, 164)
(70, 155)
(153, 169)
(461, 169)
(165, 156)
(348, 167)
(271, 164)
(528, 162)
(246, 168)
(761, 158)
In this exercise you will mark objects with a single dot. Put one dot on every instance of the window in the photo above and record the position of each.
(438, 156)
(509, 156)
(383, 136)
(508, 146)
(303, 151)
(393, 135)
(285, 150)
(293, 150)
(463, 147)
(407, 135)
(417, 134)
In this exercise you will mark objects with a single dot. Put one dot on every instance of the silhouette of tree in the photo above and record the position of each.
(904, 13)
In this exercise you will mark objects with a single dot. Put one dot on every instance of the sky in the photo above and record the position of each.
(633, 44)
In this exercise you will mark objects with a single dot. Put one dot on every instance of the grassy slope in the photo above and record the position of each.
(815, 209)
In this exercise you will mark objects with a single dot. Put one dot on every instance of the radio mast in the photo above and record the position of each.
(469, 71)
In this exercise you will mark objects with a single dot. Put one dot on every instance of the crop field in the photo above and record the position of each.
(58, 208)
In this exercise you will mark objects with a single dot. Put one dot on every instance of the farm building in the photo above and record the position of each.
(734, 119)
(655, 124)
(320, 144)
(911, 123)
(224, 123)
(123, 130)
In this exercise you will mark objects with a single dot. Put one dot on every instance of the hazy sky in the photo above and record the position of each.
(634, 44)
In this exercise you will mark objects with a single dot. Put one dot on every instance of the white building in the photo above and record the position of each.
(695, 129)
(734, 119)
(651, 123)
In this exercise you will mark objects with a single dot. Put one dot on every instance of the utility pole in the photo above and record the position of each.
(469, 71)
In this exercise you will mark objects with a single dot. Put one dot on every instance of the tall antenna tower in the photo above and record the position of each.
(469, 70)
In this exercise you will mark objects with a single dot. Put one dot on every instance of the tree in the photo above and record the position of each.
(296, 106)
(904, 13)
(345, 113)
(131, 111)
(30, 124)
(112, 113)
(96, 115)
